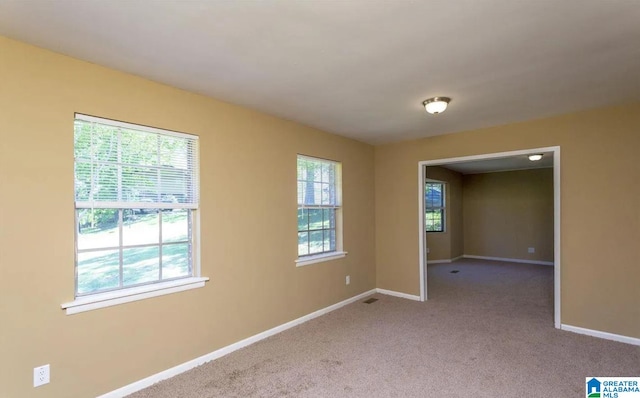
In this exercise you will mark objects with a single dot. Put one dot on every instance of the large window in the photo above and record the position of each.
(434, 206)
(319, 199)
(136, 192)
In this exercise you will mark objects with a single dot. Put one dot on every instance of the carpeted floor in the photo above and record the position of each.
(486, 331)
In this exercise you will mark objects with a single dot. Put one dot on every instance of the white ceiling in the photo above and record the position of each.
(359, 68)
(521, 162)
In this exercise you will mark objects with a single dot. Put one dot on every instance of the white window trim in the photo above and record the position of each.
(94, 301)
(319, 258)
(309, 259)
(116, 297)
(133, 126)
(443, 208)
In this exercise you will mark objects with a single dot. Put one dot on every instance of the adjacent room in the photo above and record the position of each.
(490, 223)
(268, 198)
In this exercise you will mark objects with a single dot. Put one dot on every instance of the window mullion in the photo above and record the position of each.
(190, 238)
(93, 163)
(119, 166)
(159, 244)
(120, 251)
(158, 173)
(308, 233)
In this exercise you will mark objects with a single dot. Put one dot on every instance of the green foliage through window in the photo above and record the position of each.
(136, 189)
(318, 205)
(434, 207)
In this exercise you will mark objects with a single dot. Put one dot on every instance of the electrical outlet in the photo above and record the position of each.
(427, 250)
(41, 375)
(532, 250)
(347, 280)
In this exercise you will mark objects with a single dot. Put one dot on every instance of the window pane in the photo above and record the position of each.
(139, 148)
(175, 225)
(140, 264)
(326, 194)
(314, 171)
(173, 183)
(97, 228)
(332, 240)
(315, 219)
(433, 195)
(309, 194)
(96, 182)
(332, 194)
(317, 193)
(331, 174)
(104, 183)
(175, 261)
(174, 152)
(301, 192)
(316, 242)
(303, 243)
(140, 227)
(140, 184)
(327, 244)
(433, 221)
(325, 172)
(302, 169)
(82, 140)
(98, 270)
(326, 218)
(303, 219)
(104, 143)
(83, 180)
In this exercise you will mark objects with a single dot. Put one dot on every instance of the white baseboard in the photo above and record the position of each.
(511, 260)
(176, 370)
(603, 335)
(398, 294)
(445, 261)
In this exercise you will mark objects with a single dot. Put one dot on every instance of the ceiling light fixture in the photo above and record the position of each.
(535, 158)
(436, 105)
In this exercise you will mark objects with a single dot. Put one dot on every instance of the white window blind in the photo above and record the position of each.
(121, 165)
(318, 183)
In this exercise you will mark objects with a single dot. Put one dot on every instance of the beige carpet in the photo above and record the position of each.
(486, 331)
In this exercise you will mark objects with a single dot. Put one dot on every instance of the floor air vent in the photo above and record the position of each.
(371, 300)
(455, 271)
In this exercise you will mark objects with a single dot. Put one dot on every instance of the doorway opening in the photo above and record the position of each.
(422, 177)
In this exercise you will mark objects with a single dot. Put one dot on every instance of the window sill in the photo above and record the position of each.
(308, 260)
(102, 300)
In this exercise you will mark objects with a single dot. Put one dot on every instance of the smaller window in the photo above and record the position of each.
(434, 197)
(319, 206)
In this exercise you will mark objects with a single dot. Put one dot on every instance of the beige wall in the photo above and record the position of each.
(248, 222)
(600, 213)
(506, 213)
(448, 244)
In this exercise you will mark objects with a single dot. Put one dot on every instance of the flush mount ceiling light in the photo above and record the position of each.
(436, 105)
(535, 158)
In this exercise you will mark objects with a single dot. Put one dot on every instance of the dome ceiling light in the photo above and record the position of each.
(436, 105)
